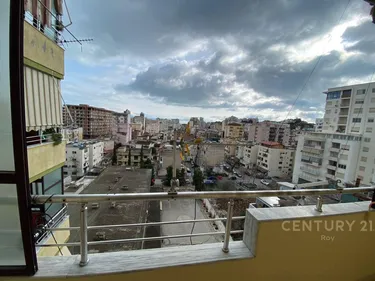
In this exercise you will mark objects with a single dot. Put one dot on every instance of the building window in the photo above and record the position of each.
(329, 103)
(74, 152)
(372, 99)
(333, 154)
(369, 130)
(367, 139)
(372, 110)
(365, 149)
(373, 90)
(362, 168)
(357, 110)
(370, 120)
(355, 129)
(328, 111)
(359, 102)
(341, 166)
(361, 92)
(364, 159)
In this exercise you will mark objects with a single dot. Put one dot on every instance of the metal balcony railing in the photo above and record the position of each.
(39, 139)
(84, 199)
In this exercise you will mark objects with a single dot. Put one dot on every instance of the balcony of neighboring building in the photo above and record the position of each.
(342, 121)
(330, 236)
(344, 112)
(345, 103)
(310, 170)
(45, 153)
(41, 51)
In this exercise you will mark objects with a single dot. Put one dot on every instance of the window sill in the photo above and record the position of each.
(130, 261)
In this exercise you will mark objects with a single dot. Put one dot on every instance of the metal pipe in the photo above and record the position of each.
(319, 204)
(86, 198)
(84, 237)
(174, 155)
(142, 224)
(228, 226)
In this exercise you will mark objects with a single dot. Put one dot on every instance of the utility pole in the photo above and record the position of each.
(174, 181)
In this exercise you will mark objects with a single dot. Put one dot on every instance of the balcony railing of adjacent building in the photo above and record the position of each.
(312, 171)
(85, 199)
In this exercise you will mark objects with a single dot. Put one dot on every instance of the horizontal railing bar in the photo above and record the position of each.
(142, 224)
(87, 198)
(92, 243)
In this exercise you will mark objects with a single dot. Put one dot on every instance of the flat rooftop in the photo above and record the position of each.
(138, 181)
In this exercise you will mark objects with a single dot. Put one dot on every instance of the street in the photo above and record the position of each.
(177, 210)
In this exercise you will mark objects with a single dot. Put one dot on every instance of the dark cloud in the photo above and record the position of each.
(235, 66)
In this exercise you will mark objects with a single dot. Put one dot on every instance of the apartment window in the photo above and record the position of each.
(369, 130)
(358, 110)
(361, 168)
(370, 120)
(355, 129)
(373, 90)
(372, 99)
(74, 152)
(333, 154)
(341, 166)
(361, 92)
(372, 110)
(365, 149)
(367, 139)
(364, 159)
(345, 147)
(328, 111)
(359, 102)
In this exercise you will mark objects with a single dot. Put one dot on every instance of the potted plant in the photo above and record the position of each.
(56, 138)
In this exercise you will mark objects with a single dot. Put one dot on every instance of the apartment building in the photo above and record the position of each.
(121, 127)
(141, 119)
(77, 160)
(233, 131)
(135, 155)
(96, 122)
(43, 70)
(318, 127)
(269, 131)
(247, 154)
(72, 134)
(275, 160)
(152, 127)
(345, 149)
(96, 152)
(168, 124)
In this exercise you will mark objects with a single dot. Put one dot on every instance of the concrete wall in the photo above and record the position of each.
(96, 151)
(42, 52)
(44, 158)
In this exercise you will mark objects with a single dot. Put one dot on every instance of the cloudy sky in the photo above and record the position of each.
(216, 58)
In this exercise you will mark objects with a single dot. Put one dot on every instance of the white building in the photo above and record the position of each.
(152, 127)
(96, 151)
(121, 128)
(318, 124)
(276, 160)
(345, 149)
(269, 131)
(72, 134)
(77, 160)
(168, 124)
(247, 154)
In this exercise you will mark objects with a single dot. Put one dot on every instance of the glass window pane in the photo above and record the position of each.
(11, 246)
(52, 209)
(6, 139)
(52, 178)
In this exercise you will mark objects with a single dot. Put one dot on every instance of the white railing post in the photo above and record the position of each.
(228, 226)
(83, 235)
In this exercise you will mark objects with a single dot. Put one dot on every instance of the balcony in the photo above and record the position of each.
(42, 53)
(334, 149)
(239, 259)
(312, 171)
(331, 167)
(329, 176)
(45, 157)
(345, 104)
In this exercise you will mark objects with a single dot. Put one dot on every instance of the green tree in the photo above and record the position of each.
(169, 176)
(198, 180)
(181, 176)
(129, 158)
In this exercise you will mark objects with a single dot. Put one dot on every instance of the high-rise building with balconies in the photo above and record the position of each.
(345, 148)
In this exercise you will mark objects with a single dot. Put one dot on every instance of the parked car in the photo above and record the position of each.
(233, 178)
(208, 181)
(264, 182)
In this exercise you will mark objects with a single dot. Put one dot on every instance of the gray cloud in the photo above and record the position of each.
(226, 59)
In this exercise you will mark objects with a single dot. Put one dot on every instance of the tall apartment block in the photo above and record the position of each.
(269, 131)
(345, 149)
(96, 122)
